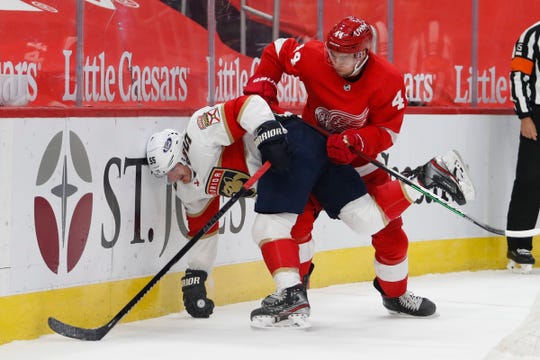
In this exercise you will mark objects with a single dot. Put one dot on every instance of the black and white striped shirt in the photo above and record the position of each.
(525, 73)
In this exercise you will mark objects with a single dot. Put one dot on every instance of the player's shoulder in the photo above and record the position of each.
(383, 69)
(198, 113)
(308, 55)
(312, 47)
(315, 45)
(293, 45)
(380, 63)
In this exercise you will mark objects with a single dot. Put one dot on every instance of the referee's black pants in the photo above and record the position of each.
(525, 199)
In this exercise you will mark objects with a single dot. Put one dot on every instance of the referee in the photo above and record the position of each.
(525, 199)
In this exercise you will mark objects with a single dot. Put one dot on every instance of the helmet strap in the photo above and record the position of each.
(358, 66)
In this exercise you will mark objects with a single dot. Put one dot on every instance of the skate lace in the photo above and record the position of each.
(448, 180)
(459, 170)
(274, 297)
(282, 298)
(410, 301)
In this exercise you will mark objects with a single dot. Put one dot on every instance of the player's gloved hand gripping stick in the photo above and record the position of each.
(427, 193)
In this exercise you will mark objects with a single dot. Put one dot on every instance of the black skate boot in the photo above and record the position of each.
(288, 308)
(271, 299)
(407, 303)
(276, 296)
(447, 173)
(520, 259)
(305, 278)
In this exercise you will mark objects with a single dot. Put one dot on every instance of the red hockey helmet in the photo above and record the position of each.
(351, 35)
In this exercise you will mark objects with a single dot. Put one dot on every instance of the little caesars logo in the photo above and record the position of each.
(129, 81)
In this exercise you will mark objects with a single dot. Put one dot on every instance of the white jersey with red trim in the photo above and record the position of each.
(218, 144)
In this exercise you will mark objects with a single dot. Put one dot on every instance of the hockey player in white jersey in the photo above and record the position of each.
(222, 146)
(213, 157)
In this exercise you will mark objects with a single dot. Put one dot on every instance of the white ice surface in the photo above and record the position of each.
(476, 310)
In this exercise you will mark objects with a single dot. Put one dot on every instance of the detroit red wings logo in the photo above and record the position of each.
(336, 121)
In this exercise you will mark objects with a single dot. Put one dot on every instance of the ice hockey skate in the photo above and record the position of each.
(276, 296)
(286, 309)
(407, 304)
(448, 173)
(520, 260)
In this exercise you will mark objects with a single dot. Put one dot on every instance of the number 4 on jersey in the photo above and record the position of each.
(398, 101)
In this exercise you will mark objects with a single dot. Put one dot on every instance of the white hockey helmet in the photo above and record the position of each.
(163, 151)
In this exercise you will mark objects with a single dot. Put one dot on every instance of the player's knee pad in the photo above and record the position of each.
(391, 243)
(272, 226)
(363, 215)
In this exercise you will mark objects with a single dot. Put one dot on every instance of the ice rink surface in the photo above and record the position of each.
(475, 311)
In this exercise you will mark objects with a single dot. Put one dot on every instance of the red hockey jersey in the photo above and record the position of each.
(375, 103)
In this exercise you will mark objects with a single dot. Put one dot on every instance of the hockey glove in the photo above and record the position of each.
(266, 88)
(342, 148)
(194, 294)
(271, 140)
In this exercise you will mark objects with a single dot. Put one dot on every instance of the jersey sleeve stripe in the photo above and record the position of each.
(522, 65)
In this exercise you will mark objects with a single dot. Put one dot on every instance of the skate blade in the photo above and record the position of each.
(519, 268)
(409, 316)
(294, 321)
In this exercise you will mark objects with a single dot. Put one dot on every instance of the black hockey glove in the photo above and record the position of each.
(194, 294)
(271, 140)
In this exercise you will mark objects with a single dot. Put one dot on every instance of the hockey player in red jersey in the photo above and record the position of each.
(359, 98)
(217, 145)
(214, 156)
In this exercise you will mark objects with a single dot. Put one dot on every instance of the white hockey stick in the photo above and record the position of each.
(425, 192)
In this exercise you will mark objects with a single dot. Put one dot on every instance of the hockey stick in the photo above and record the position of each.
(427, 193)
(98, 333)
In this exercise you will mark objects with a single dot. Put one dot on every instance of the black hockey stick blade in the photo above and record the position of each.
(98, 333)
(77, 332)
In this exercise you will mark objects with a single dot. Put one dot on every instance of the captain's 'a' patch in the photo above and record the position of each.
(227, 182)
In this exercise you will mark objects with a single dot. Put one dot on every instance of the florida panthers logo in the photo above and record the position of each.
(227, 182)
(336, 121)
